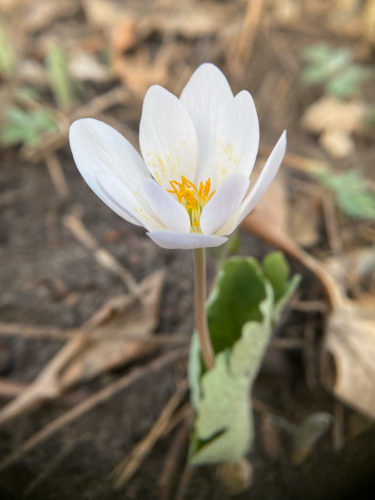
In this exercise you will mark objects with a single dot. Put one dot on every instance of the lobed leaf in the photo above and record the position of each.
(241, 311)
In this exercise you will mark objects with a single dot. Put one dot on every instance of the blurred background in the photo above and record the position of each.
(86, 369)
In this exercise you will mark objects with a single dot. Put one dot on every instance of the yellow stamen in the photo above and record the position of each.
(193, 198)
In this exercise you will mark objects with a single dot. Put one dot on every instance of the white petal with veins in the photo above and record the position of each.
(98, 147)
(167, 137)
(189, 190)
(129, 201)
(224, 203)
(267, 175)
(168, 210)
(237, 138)
(205, 96)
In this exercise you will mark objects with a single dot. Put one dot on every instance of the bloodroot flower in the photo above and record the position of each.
(190, 189)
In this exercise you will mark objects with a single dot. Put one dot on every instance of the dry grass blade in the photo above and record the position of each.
(172, 461)
(184, 482)
(247, 37)
(93, 401)
(127, 315)
(84, 356)
(10, 389)
(128, 467)
(239, 52)
(54, 332)
(50, 467)
(46, 386)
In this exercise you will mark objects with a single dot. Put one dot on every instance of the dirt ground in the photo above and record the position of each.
(50, 279)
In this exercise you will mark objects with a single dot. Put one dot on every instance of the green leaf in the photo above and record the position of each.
(334, 68)
(26, 127)
(352, 194)
(233, 301)
(59, 77)
(276, 270)
(223, 426)
(242, 311)
(348, 82)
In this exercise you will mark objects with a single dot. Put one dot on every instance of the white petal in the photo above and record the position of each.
(224, 203)
(237, 138)
(264, 180)
(205, 96)
(110, 199)
(267, 175)
(167, 137)
(131, 203)
(166, 239)
(173, 215)
(98, 147)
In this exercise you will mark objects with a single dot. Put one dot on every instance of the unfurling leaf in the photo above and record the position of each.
(241, 311)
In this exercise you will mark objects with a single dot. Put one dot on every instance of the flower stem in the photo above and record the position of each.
(200, 309)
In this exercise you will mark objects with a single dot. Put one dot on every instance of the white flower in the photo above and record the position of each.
(190, 188)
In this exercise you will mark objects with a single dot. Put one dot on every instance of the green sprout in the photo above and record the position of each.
(334, 69)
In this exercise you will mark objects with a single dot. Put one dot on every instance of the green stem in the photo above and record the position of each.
(200, 309)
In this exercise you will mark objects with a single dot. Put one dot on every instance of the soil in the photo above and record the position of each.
(48, 278)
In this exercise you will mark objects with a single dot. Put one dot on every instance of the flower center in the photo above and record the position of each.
(192, 198)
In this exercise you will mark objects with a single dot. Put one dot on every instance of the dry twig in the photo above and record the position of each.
(239, 52)
(128, 467)
(10, 389)
(50, 467)
(249, 30)
(53, 332)
(91, 402)
(172, 461)
(82, 356)
(333, 232)
(46, 385)
(184, 482)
